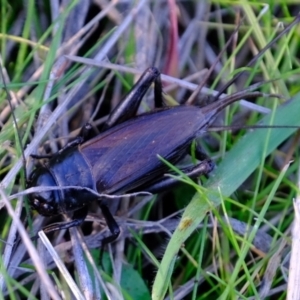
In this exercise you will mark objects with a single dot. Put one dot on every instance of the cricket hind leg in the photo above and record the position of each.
(167, 183)
(128, 107)
(204, 167)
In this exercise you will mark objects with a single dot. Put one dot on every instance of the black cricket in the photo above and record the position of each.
(124, 157)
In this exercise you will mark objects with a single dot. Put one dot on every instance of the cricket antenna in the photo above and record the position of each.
(212, 67)
(238, 127)
(257, 56)
(216, 106)
(13, 116)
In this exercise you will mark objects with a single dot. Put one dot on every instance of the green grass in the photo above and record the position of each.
(210, 241)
